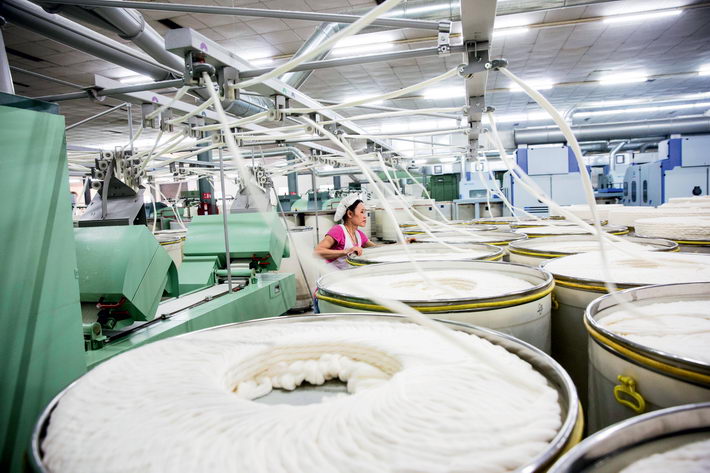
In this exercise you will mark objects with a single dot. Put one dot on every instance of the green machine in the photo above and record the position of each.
(114, 278)
(308, 201)
(444, 187)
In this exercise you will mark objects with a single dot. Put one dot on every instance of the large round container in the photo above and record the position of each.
(568, 434)
(424, 208)
(561, 230)
(322, 222)
(579, 280)
(426, 252)
(386, 227)
(534, 251)
(655, 367)
(583, 211)
(513, 299)
(621, 445)
(172, 241)
(416, 230)
(628, 215)
(302, 241)
(446, 208)
(497, 238)
(691, 233)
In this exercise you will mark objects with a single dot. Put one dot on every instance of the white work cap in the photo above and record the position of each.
(344, 204)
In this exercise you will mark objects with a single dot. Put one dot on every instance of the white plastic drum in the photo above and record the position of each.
(653, 358)
(302, 241)
(467, 226)
(534, 251)
(510, 298)
(324, 222)
(424, 208)
(426, 252)
(579, 280)
(691, 233)
(386, 227)
(623, 446)
(172, 241)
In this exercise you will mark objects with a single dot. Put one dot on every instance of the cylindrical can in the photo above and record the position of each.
(630, 374)
(522, 309)
(620, 446)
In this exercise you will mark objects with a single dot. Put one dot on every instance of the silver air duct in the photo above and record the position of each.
(611, 131)
(413, 9)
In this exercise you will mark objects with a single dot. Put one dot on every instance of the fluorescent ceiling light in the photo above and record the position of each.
(444, 93)
(642, 16)
(139, 79)
(541, 84)
(361, 50)
(623, 78)
(261, 62)
(613, 103)
(704, 70)
(447, 160)
(518, 30)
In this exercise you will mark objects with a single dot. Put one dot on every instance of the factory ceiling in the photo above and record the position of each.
(563, 43)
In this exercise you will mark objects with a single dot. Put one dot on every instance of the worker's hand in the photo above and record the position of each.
(357, 250)
(411, 240)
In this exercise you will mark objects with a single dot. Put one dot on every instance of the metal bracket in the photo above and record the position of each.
(476, 105)
(477, 55)
(280, 104)
(443, 43)
(227, 78)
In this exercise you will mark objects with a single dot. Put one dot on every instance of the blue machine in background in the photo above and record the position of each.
(554, 169)
(683, 170)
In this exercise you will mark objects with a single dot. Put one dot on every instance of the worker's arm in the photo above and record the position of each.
(369, 244)
(325, 251)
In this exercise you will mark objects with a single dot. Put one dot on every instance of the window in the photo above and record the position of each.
(619, 159)
(633, 191)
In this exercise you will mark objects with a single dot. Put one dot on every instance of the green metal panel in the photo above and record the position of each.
(271, 295)
(444, 187)
(124, 261)
(197, 272)
(41, 345)
(251, 235)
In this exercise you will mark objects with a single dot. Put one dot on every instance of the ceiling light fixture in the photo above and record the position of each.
(514, 31)
(623, 78)
(139, 79)
(652, 15)
(444, 93)
(650, 109)
(261, 62)
(704, 70)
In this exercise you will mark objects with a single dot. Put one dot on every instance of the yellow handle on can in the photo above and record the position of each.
(628, 388)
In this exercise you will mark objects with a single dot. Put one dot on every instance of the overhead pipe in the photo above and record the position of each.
(609, 131)
(612, 153)
(131, 25)
(28, 15)
(413, 9)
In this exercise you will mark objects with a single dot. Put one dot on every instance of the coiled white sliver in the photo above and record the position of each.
(691, 458)
(416, 405)
(675, 228)
(680, 328)
(666, 268)
(580, 244)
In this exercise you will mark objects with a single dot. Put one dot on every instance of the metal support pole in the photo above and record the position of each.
(51, 79)
(224, 221)
(164, 84)
(6, 84)
(205, 187)
(349, 61)
(292, 177)
(315, 198)
(94, 117)
(336, 182)
(129, 107)
(253, 12)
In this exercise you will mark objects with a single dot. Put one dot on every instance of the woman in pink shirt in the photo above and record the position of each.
(345, 238)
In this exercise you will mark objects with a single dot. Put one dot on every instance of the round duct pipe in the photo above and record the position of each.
(611, 131)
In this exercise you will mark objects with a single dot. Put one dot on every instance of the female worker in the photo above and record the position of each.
(345, 238)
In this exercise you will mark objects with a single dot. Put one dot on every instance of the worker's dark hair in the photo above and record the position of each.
(352, 208)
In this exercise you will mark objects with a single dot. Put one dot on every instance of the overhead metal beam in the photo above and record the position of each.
(252, 12)
(187, 41)
(94, 117)
(349, 61)
(112, 92)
